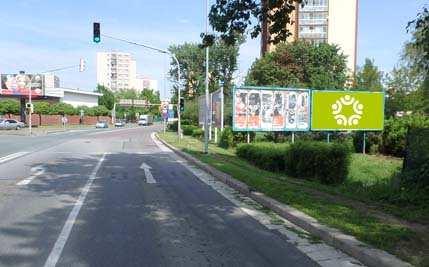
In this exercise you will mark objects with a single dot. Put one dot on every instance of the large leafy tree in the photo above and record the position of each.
(417, 51)
(369, 78)
(300, 64)
(234, 18)
(191, 57)
(403, 89)
(9, 106)
(107, 99)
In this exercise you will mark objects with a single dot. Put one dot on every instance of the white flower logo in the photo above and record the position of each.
(341, 119)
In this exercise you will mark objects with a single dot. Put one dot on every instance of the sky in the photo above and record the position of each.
(39, 35)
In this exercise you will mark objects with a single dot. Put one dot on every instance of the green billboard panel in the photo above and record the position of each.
(347, 110)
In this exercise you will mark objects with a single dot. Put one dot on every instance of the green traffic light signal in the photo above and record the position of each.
(96, 30)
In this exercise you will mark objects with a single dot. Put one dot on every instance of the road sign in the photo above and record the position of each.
(347, 110)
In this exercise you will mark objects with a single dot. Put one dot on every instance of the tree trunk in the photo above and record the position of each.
(265, 34)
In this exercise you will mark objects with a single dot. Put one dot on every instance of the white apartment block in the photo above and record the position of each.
(331, 21)
(116, 70)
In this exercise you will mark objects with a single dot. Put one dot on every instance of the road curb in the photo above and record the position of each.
(366, 254)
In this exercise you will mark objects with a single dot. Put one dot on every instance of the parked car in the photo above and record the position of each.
(119, 124)
(9, 124)
(145, 120)
(102, 124)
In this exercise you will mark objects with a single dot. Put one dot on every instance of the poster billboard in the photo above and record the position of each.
(19, 85)
(347, 110)
(216, 106)
(271, 109)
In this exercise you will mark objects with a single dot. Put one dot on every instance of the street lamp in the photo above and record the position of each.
(206, 117)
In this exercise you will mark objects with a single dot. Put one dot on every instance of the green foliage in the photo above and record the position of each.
(325, 162)
(188, 129)
(237, 17)
(372, 144)
(395, 131)
(404, 90)
(197, 133)
(267, 156)
(42, 107)
(62, 109)
(368, 78)
(9, 106)
(107, 99)
(99, 111)
(191, 112)
(173, 126)
(191, 57)
(416, 162)
(226, 139)
(300, 64)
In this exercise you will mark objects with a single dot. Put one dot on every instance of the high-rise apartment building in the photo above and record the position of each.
(116, 70)
(331, 21)
(144, 82)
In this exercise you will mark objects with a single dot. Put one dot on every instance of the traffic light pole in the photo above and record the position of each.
(163, 51)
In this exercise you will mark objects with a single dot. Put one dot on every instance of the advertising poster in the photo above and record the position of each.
(216, 108)
(347, 110)
(303, 112)
(240, 108)
(254, 110)
(278, 111)
(267, 109)
(19, 84)
(271, 109)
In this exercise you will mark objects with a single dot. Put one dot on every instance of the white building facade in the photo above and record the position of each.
(143, 82)
(116, 70)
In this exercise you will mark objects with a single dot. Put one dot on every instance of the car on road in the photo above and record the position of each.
(145, 120)
(102, 124)
(119, 124)
(10, 124)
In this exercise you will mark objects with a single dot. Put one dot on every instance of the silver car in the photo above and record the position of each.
(10, 124)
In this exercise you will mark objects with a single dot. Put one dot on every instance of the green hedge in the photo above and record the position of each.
(188, 129)
(197, 133)
(226, 139)
(325, 162)
(267, 156)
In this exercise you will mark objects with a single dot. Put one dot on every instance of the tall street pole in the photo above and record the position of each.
(206, 117)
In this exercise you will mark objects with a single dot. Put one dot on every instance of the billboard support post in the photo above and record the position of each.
(293, 137)
(328, 137)
(364, 143)
(248, 137)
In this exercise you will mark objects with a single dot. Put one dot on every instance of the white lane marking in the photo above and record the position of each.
(36, 171)
(65, 232)
(159, 144)
(147, 173)
(13, 156)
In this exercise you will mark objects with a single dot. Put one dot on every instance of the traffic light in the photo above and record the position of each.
(96, 37)
(29, 107)
(82, 65)
(182, 104)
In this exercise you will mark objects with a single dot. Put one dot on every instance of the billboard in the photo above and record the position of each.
(271, 109)
(19, 85)
(347, 110)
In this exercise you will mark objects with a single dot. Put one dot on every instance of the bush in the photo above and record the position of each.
(226, 139)
(9, 106)
(188, 129)
(395, 131)
(325, 162)
(190, 114)
(416, 162)
(267, 156)
(173, 126)
(197, 133)
(372, 144)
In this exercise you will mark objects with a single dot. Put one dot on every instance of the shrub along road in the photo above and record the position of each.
(391, 235)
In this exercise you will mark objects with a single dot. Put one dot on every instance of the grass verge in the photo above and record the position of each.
(391, 237)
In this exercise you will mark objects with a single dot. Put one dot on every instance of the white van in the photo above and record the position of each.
(145, 120)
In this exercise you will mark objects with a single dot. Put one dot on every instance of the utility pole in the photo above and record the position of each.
(206, 117)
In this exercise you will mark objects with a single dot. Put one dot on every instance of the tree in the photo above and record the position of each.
(107, 99)
(300, 64)
(403, 90)
(62, 109)
(191, 57)
(418, 51)
(369, 78)
(9, 106)
(42, 108)
(234, 18)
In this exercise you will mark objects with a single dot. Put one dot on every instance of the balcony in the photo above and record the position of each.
(309, 8)
(310, 22)
(313, 35)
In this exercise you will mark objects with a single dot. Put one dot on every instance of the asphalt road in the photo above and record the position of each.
(87, 199)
